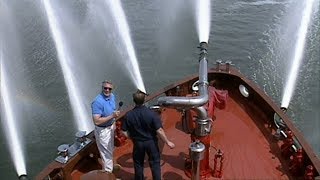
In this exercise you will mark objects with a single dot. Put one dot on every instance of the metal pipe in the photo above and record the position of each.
(281, 126)
(228, 64)
(196, 151)
(278, 120)
(218, 62)
(195, 170)
(196, 101)
(201, 112)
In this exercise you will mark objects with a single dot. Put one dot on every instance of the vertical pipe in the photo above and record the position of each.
(196, 151)
(196, 101)
(195, 170)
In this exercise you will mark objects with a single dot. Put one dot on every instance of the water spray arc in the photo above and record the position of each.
(124, 30)
(8, 122)
(298, 52)
(203, 20)
(81, 115)
(9, 119)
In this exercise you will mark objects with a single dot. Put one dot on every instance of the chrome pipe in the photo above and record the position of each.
(201, 112)
(281, 127)
(196, 152)
(196, 101)
(195, 170)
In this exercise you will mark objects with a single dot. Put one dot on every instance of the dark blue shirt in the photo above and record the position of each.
(142, 124)
(104, 106)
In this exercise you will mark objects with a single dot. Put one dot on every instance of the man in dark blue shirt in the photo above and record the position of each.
(143, 125)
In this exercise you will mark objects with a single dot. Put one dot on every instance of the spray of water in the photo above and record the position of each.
(80, 113)
(203, 19)
(8, 122)
(123, 28)
(8, 110)
(298, 52)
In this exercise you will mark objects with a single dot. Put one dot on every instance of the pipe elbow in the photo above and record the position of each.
(183, 102)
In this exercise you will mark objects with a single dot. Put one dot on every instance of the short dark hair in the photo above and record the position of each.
(138, 97)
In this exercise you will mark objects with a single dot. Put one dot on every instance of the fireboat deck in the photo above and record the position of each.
(249, 149)
(245, 131)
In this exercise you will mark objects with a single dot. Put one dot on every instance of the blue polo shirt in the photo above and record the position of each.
(104, 106)
(142, 124)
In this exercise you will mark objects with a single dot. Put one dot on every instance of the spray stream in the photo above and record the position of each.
(298, 52)
(80, 113)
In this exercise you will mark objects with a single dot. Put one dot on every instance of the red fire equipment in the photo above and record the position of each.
(119, 137)
(296, 163)
(286, 149)
(217, 172)
(309, 174)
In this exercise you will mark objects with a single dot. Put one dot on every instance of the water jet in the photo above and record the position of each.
(203, 20)
(298, 52)
(82, 118)
(10, 120)
(124, 31)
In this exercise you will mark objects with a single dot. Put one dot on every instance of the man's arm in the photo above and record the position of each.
(164, 138)
(97, 119)
(124, 127)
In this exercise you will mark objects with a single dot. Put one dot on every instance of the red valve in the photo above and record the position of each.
(218, 157)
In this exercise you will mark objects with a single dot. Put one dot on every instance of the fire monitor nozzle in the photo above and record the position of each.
(145, 93)
(203, 46)
(23, 177)
(284, 109)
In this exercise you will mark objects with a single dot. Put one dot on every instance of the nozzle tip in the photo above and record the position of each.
(203, 45)
(23, 177)
(284, 109)
(143, 92)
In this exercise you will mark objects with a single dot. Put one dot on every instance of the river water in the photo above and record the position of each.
(163, 32)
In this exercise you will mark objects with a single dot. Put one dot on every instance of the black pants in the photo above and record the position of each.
(151, 148)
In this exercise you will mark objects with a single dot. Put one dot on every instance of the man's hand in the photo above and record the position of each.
(116, 114)
(171, 144)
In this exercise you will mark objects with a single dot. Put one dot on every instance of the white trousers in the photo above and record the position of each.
(105, 143)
